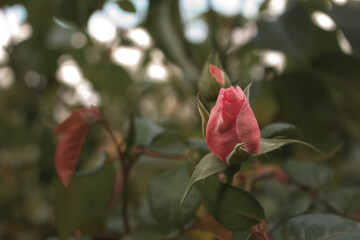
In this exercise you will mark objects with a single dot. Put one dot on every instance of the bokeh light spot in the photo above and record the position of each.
(196, 31)
(323, 21)
(78, 40)
(101, 28)
(7, 77)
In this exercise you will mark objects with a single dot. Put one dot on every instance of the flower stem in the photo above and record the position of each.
(230, 172)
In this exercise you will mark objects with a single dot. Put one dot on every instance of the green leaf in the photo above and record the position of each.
(319, 226)
(127, 6)
(310, 174)
(94, 227)
(207, 166)
(296, 204)
(236, 209)
(242, 235)
(146, 131)
(165, 192)
(208, 86)
(106, 69)
(85, 198)
(238, 155)
(277, 128)
(204, 115)
(169, 142)
(345, 200)
(271, 144)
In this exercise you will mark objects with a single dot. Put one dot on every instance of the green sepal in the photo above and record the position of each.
(238, 155)
(204, 115)
(247, 91)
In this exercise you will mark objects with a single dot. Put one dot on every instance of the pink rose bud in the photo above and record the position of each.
(218, 74)
(231, 122)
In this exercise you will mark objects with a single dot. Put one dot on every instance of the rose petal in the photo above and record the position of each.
(231, 122)
(247, 129)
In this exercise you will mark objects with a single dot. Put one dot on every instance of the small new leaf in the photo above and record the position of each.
(73, 131)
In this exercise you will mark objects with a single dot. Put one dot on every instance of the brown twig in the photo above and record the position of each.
(117, 145)
(125, 172)
(315, 195)
(151, 153)
(268, 171)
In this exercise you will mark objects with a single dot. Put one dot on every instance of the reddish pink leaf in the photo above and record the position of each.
(91, 115)
(73, 131)
(218, 74)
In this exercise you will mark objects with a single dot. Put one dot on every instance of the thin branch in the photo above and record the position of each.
(151, 153)
(269, 172)
(315, 195)
(125, 173)
(117, 145)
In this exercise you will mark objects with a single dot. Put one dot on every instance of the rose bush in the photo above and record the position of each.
(231, 122)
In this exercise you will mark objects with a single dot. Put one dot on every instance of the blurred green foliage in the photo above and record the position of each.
(317, 91)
